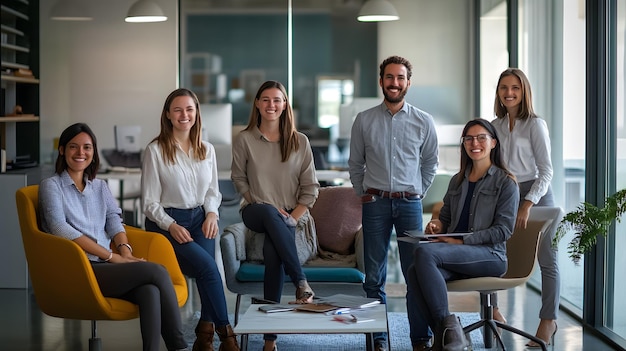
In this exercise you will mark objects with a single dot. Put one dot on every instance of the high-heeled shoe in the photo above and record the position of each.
(533, 345)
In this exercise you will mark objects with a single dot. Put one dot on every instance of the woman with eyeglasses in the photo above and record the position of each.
(480, 206)
(526, 152)
(273, 170)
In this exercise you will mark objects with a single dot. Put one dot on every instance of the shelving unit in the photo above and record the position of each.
(19, 133)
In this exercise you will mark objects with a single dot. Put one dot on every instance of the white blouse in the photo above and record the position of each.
(186, 184)
(526, 153)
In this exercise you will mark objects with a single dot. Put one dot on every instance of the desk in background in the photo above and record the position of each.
(128, 186)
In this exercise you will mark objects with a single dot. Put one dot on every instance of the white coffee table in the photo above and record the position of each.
(294, 322)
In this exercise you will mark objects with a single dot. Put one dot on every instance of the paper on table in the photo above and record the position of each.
(353, 318)
(349, 301)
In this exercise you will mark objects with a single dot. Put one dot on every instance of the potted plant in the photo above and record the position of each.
(588, 221)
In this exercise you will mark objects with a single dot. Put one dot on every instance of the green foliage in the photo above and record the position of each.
(588, 222)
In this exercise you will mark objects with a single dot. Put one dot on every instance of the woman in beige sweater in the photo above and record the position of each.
(273, 170)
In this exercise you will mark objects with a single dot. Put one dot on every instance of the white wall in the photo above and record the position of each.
(106, 71)
(435, 37)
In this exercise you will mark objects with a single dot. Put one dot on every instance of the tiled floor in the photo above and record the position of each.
(24, 327)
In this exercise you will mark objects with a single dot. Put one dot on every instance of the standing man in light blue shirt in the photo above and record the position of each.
(393, 160)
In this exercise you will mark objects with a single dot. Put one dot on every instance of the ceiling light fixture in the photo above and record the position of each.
(378, 11)
(70, 10)
(145, 11)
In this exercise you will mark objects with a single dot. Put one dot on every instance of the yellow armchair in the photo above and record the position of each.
(62, 278)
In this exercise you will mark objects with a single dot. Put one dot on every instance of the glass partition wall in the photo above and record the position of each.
(230, 48)
(547, 32)
(549, 36)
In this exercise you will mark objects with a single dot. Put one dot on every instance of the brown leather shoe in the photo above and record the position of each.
(228, 338)
(204, 336)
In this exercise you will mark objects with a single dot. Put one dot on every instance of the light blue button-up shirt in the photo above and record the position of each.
(69, 213)
(393, 152)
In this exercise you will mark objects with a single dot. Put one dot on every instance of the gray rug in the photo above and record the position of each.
(398, 327)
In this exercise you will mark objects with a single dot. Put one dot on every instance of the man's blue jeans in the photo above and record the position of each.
(380, 216)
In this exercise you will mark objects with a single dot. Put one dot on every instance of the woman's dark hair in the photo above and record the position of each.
(288, 133)
(68, 134)
(495, 155)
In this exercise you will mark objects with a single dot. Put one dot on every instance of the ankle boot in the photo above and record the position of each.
(228, 338)
(452, 337)
(204, 336)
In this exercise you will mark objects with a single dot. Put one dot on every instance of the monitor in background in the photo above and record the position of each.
(217, 123)
(127, 138)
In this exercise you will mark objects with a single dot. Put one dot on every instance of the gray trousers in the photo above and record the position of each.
(547, 256)
(148, 285)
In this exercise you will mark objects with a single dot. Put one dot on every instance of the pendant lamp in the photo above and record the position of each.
(145, 11)
(378, 11)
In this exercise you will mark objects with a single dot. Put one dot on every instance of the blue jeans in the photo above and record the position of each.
(379, 218)
(279, 250)
(436, 263)
(197, 260)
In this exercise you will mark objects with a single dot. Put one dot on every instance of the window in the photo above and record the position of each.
(554, 61)
(616, 285)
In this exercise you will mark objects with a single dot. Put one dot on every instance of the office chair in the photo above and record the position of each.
(62, 278)
(521, 251)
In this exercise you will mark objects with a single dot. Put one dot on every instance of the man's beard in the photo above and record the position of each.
(395, 99)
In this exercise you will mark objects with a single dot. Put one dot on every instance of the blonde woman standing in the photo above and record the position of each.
(526, 152)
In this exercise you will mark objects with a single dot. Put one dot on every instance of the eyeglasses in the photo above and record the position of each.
(276, 101)
(481, 138)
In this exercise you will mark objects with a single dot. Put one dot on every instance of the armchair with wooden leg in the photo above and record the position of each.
(62, 279)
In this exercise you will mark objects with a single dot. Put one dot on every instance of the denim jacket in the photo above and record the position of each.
(493, 209)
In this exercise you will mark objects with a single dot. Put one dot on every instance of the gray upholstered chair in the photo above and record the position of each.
(521, 251)
(337, 216)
